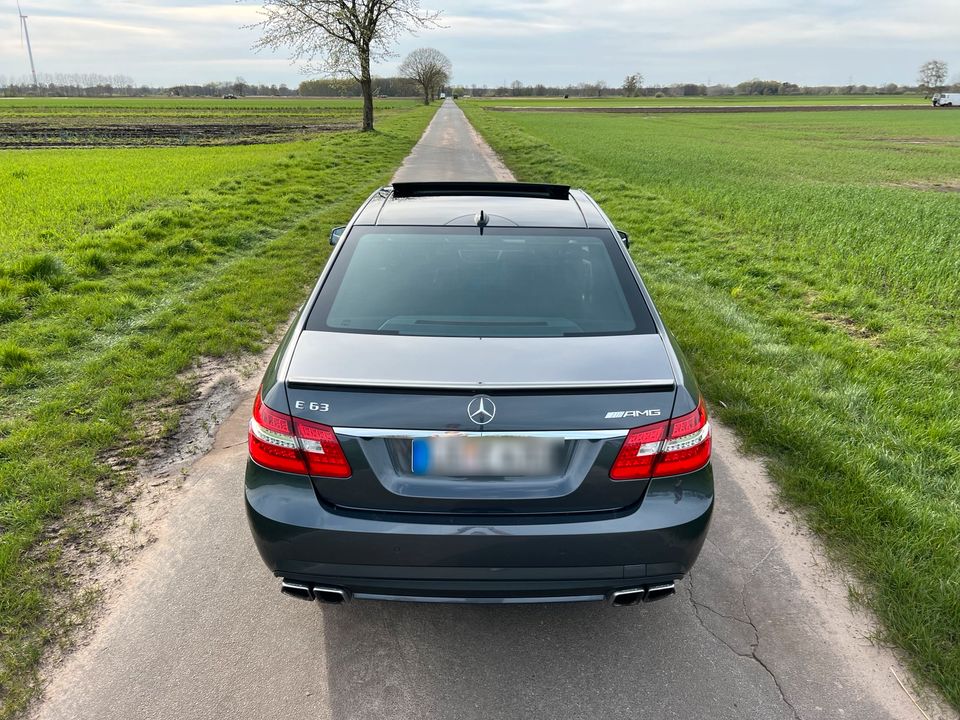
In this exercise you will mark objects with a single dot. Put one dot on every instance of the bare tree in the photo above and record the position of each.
(632, 85)
(430, 69)
(342, 37)
(933, 74)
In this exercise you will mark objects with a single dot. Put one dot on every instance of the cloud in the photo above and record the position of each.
(492, 41)
(162, 43)
(81, 27)
(811, 31)
(485, 28)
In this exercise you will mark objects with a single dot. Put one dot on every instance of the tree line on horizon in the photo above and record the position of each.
(748, 87)
(395, 87)
(427, 72)
(89, 85)
(94, 85)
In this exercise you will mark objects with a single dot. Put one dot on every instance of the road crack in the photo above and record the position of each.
(700, 607)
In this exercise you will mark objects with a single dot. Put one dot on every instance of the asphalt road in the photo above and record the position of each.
(197, 627)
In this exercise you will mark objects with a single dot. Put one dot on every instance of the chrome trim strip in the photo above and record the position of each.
(478, 600)
(407, 434)
(482, 386)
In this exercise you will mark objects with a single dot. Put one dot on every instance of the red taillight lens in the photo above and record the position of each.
(281, 442)
(322, 449)
(679, 446)
(639, 452)
(687, 447)
(272, 442)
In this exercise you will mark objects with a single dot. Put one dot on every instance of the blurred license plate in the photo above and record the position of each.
(500, 456)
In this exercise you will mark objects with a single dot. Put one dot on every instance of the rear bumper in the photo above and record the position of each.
(487, 559)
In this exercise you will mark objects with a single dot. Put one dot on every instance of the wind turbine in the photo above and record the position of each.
(24, 33)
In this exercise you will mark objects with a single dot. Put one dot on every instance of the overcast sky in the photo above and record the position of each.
(492, 42)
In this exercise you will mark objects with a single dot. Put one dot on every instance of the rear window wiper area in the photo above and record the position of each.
(455, 326)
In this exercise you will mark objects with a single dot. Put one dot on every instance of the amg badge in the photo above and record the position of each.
(632, 413)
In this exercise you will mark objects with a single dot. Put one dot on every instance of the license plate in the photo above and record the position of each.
(491, 456)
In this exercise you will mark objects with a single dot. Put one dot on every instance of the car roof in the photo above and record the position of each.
(501, 205)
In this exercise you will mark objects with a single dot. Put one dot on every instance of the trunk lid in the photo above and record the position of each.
(383, 393)
(334, 358)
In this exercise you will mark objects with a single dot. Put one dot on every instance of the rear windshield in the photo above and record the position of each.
(507, 282)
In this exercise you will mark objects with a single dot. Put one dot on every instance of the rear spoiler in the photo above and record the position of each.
(490, 189)
(660, 384)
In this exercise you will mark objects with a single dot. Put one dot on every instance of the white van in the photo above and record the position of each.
(946, 100)
(443, 96)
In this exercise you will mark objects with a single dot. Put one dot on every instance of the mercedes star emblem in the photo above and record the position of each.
(481, 410)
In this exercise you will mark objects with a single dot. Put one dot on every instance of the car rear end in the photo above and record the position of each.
(479, 415)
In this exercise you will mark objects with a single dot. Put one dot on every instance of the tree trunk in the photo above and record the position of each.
(366, 89)
(426, 95)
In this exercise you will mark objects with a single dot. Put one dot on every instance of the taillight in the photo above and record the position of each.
(679, 446)
(687, 447)
(281, 442)
(322, 450)
(639, 452)
(272, 442)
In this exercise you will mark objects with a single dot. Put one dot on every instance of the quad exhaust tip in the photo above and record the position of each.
(296, 590)
(330, 595)
(320, 593)
(338, 596)
(647, 593)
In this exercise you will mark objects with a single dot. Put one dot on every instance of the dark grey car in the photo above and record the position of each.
(479, 403)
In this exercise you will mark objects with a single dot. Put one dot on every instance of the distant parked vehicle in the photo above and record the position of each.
(443, 96)
(946, 99)
(230, 97)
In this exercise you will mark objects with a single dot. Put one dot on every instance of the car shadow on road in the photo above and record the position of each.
(417, 660)
(422, 661)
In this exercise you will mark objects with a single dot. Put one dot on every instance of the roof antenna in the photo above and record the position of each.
(482, 220)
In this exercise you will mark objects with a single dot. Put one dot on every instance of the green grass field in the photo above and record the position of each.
(120, 269)
(65, 195)
(574, 101)
(810, 266)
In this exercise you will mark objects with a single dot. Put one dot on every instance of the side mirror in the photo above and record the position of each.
(624, 238)
(336, 234)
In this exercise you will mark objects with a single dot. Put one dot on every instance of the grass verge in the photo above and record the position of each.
(811, 271)
(96, 331)
(699, 101)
